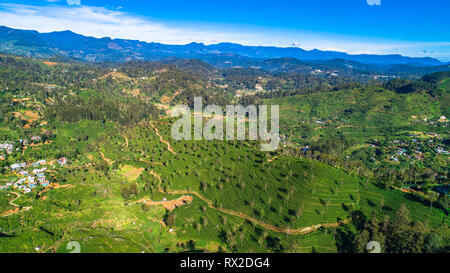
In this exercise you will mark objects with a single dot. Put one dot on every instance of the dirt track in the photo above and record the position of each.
(169, 147)
(17, 208)
(297, 231)
(109, 161)
(272, 159)
(126, 140)
(170, 204)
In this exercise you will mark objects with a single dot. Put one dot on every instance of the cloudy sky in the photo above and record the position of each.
(407, 27)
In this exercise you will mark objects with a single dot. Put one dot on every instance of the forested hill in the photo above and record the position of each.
(223, 55)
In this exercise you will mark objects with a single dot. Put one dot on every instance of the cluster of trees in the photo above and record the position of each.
(436, 78)
(403, 86)
(398, 234)
(100, 108)
(195, 78)
(188, 79)
(128, 191)
(426, 84)
(21, 74)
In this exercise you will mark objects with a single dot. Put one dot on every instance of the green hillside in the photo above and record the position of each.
(112, 178)
(241, 202)
(374, 129)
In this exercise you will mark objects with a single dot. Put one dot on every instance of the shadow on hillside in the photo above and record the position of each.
(3, 235)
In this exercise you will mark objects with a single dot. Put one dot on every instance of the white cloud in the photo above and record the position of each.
(69, 2)
(374, 2)
(74, 2)
(101, 22)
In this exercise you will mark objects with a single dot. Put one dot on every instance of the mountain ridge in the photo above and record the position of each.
(91, 49)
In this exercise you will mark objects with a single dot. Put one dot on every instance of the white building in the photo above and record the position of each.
(8, 147)
(20, 181)
(39, 171)
(36, 138)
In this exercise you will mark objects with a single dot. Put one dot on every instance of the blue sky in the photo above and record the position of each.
(413, 27)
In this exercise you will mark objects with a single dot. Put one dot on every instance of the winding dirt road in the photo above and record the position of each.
(169, 147)
(17, 207)
(290, 231)
(109, 161)
(272, 159)
(126, 140)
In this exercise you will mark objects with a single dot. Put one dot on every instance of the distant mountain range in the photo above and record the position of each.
(223, 55)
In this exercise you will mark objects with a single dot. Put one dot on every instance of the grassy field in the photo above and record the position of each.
(357, 113)
(243, 199)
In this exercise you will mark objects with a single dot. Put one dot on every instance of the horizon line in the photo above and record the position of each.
(443, 62)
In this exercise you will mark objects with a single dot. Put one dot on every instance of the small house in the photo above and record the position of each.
(15, 167)
(36, 138)
(41, 162)
(21, 181)
(38, 171)
(62, 161)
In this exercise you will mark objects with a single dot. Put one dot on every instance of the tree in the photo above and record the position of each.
(169, 219)
(125, 191)
(381, 203)
(361, 241)
(299, 213)
(433, 243)
(402, 217)
(432, 197)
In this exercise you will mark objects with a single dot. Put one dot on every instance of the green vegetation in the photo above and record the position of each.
(393, 138)
(331, 187)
